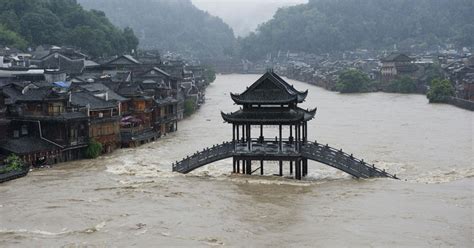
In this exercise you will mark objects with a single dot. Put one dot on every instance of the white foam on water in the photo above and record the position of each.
(90, 230)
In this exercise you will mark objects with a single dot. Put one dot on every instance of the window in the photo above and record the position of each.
(55, 108)
(24, 130)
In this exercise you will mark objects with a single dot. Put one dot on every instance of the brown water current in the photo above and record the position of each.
(131, 197)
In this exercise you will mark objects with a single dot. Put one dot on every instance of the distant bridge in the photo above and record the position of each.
(309, 150)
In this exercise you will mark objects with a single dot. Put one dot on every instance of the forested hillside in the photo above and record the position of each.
(170, 25)
(338, 25)
(27, 23)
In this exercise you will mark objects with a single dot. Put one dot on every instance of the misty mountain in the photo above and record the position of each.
(170, 25)
(337, 25)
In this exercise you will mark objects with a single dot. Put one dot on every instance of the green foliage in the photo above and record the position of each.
(93, 150)
(403, 85)
(189, 107)
(440, 91)
(10, 38)
(170, 25)
(352, 81)
(322, 26)
(13, 163)
(209, 74)
(61, 22)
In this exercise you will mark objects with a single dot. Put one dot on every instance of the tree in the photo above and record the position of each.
(26, 23)
(209, 74)
(325, 26)
(130, 39)
(440, 91)
(189, 107)
(352, 81)
(94, 149)
(404, 84)
(10, 38)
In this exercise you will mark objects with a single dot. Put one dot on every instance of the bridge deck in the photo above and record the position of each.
(270, 151)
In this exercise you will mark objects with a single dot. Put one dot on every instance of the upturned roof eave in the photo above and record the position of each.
(237, 99)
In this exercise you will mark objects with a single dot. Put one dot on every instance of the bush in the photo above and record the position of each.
(189, 107)
(94, 149)
(353, 81)
(440, 91)
(13, 163)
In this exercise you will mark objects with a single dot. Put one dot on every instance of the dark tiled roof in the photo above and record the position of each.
(41, 94)
(397, 57)
(84, 99)
(63, 117)
(166, 101)
(128, 58)
(270, 89)
(61, 62)
(269, 115)
(96, 87)
(129, 89)
(72, 116)
(27, 145)
(11, 92)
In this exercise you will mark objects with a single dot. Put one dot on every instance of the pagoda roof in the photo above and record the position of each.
(270, 89)
(269, 116)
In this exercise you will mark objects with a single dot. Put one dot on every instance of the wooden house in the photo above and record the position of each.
(44, 128)
(104, 117)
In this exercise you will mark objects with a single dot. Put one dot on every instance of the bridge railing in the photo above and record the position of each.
(205, 156)
(370, 168)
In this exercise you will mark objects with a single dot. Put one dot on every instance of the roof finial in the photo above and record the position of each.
(270, 69)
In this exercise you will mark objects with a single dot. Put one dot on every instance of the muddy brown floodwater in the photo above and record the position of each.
(131, 197)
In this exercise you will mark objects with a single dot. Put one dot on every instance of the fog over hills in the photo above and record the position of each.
(244, 16)
(170, 25)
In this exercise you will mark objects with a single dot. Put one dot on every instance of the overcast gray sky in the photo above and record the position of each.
(244, 15)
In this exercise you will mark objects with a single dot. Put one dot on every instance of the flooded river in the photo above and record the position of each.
(131, 197)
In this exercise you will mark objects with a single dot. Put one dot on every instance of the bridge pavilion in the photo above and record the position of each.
(268, 104)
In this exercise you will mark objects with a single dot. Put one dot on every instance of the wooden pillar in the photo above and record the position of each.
(261, 131)
(298, 170)
(249, 140)
(291, 167)
(248, 167)
(280, 173)
(261, 167)
(237, 133)
(243, 133)
(303, 132)
(297, 137)
(234, 166)
(280, 142)
(306, 130)
(233, 133)
(305, 167)
(291, 132)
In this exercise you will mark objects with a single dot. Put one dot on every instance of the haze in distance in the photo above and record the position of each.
(244, 16)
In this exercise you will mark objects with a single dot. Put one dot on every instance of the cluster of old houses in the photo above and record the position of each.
(54, 101)
(324, 71)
